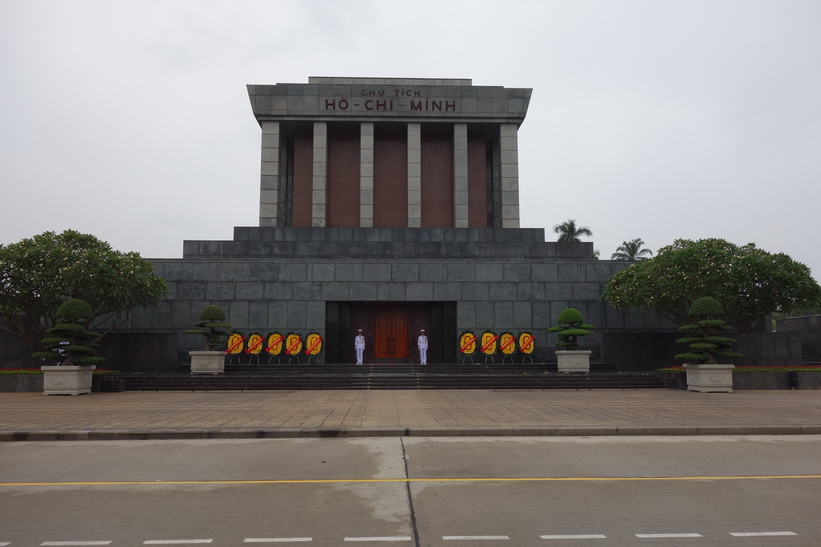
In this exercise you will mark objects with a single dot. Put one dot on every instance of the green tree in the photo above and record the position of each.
(706, 335)
(69, 342)
(570, 326)
(569, 232)
(40, 273)
(631, 251)
(213, 326)
(749, 282)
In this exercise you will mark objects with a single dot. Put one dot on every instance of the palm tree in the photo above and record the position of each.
(631, 251)
(568, 231)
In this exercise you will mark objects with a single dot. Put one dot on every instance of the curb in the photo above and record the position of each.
(280, 433)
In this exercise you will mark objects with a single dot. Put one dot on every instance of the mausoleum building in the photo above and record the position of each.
(390, 205)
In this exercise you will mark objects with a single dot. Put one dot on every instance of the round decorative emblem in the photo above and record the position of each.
(274, 343)
(507, 343)
(526, 343)
(235, 343)
(293, 344)
(489, 343)
(254, 345)
(467, 343)
(313, 344)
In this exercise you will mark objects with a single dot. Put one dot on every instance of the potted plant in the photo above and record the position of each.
(70, 344)
(708, 343)
(570, 327)
(215, 329)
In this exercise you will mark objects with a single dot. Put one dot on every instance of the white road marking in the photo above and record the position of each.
(574, 536)
(277, 540)
(761, 534)
(468, 538)
(175, 541)
(383, 538)
(407, 538)
(656, 536)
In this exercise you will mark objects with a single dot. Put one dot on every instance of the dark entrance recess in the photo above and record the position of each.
(390, 331)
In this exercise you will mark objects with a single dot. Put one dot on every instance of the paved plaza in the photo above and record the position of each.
(350, 413)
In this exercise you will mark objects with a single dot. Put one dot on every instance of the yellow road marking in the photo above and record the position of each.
(452, 480)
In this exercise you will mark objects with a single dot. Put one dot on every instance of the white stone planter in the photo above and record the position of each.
(207, 362)
(67, 380)
(710, 378)
(574, 360)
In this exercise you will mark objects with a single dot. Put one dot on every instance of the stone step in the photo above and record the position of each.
(361, 378)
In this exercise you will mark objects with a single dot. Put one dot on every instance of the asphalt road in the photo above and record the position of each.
(716, 490)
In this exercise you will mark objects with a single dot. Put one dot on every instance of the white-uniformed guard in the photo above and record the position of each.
(422, 344)
(359, 345)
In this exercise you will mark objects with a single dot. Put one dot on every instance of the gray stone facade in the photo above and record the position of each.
(500, 280)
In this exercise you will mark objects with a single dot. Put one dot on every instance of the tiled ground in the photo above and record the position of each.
(452, 412)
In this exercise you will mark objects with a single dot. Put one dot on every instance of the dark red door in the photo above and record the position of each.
(391, 335)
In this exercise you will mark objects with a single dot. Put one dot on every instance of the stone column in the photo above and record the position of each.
(460, 175)
(366, 175)
(509, 171)
(269, 175)
(320, 171)
(414, 175)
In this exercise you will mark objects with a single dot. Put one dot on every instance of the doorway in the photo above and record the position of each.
(390, 330)
(391, 335)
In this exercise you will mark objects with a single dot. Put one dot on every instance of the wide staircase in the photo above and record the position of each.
(252, 377)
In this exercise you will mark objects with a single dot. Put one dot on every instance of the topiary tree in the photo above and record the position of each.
(706, 336)
(213, 326)
(571, 326)
(70, 342)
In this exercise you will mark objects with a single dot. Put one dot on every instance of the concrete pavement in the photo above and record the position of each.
(348, 413)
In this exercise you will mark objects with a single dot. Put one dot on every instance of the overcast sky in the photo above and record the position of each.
(649, 119)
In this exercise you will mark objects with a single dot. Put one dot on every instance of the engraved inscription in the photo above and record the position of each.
(380, 99)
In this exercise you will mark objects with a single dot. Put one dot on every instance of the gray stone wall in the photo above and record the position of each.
(290, 294)
(386, 243)
(281, 278)
(807, 330)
